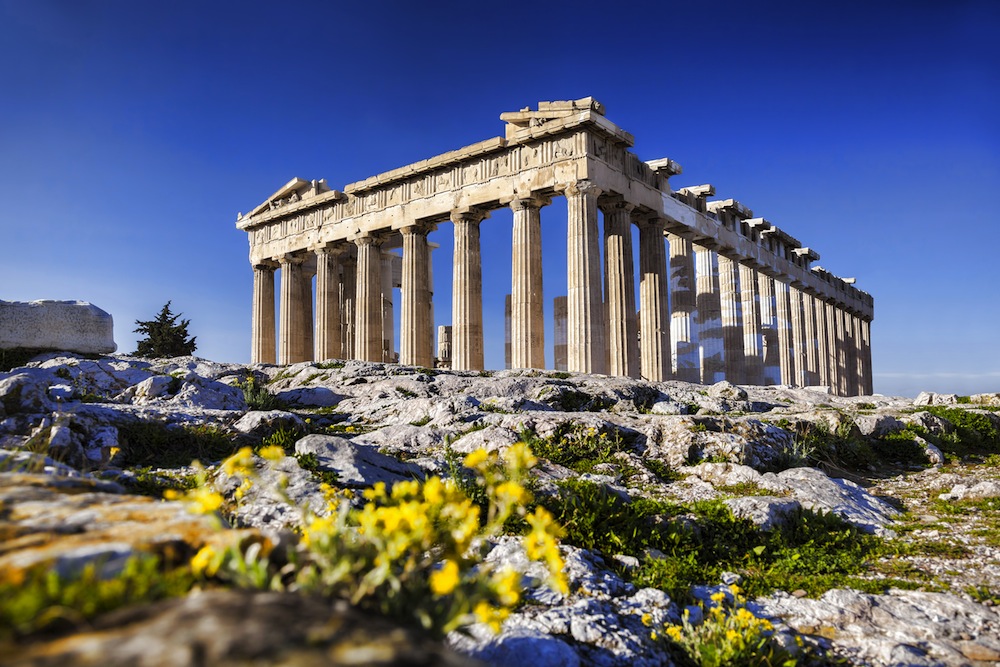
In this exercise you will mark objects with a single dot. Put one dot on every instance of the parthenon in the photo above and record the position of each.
(721, 294)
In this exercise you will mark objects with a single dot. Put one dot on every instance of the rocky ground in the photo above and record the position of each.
(866, 528)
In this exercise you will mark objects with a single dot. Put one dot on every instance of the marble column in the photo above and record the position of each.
(585, 344)
(262, 314)
(467, 293)
(686, 353)
(388, 309)
(753, 339)
(431, 350)
(368, 300)
(732, 320)
(507, 345)
(786, 350)
(709, 318)
(329, 342)
(348, 293)
(527, 319)
(769, 330)
(859, 357)
(619, 277)
(291, 337)
(654, 312)
(832, 358)
(307, 326)
(822, 343)
(866, 357)
(798, 336)
(444, 346)
(414, 347)
(559, 309)
(812, 349)
(843, 377)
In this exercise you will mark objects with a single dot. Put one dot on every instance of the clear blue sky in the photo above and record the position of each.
(131, 133)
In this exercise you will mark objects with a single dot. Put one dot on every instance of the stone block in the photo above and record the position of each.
(73, 326)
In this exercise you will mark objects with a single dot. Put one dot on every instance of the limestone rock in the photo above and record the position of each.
(320, 397)
(902, 627)
(238, 627)
(280, 494)
(985, 489)
(75, 326)
(767, 512)
(260, 423)
(356, 464)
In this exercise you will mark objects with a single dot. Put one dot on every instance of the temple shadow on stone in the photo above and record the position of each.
(721, 294)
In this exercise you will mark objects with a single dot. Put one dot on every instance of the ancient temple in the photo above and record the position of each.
(721, 294)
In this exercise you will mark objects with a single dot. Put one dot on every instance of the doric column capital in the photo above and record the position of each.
(291, 258)
(469, 214)
(648, 220)
(612, 203)
(583, 187)
(329, 248)
(265, 265)
(368, 239)
(530, 202)
(420, 228)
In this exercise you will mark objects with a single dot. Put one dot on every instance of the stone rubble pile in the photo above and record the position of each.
(397, 422)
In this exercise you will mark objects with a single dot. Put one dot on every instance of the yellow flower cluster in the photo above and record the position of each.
(416, 541)
(729, 634)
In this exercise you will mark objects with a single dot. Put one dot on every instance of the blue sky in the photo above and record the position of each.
(131, 134)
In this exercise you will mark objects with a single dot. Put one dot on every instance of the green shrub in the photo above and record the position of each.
(154, 444)
(257, 396)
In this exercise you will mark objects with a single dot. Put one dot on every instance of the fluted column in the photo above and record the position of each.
(859, 362)
(368, 302)
(683, 332)
(585, 317)
(769, 330)
(291, 338)
(732, 320)
(329, 344)
(349, 292)
(786, 349)
(414, 328)
(866, 357)
(506, 331)
(832, 357)
(654, 313)
(467, 293)
(753, 341)
(844, 378)
(812, 349)
(388, 308)
(559, 314)
(619, 280)
(709, 318)
(307, 326)
(822, 343)
(262, 314)
(798, 336)
(527, 320)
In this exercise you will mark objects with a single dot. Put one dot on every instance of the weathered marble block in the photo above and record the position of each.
(73, 326)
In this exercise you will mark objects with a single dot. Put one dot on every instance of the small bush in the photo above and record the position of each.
(160, 446)
(258, 397)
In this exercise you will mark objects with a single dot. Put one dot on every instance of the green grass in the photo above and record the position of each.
(578, 448)
(156, 445)
(45, 602)
(700, 541)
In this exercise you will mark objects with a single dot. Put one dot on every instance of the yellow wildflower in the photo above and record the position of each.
(509, 588)
(243, 488)
(203, 500)
(511, 493)
(647, 619)
(490, 615)
(272, 453)
(519, 456)
(674, 632)
(444, 579)
(475, 459)
(718, 598)
(205, 561)
(240, 463)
